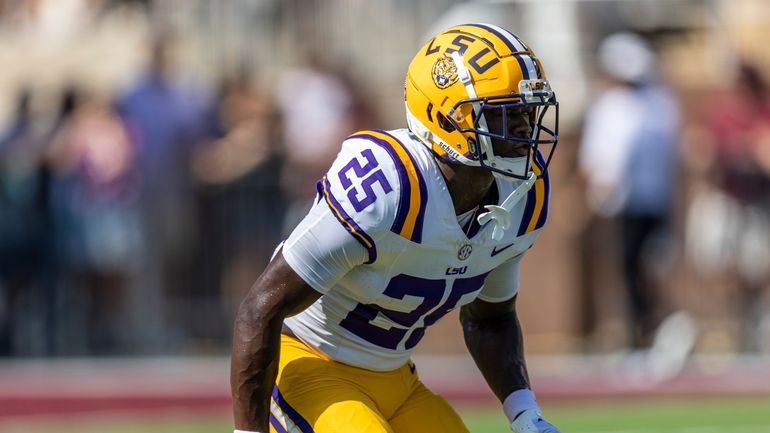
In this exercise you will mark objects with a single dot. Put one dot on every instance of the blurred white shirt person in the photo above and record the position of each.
(628, 156)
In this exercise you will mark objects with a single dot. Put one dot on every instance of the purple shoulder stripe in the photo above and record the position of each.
(324, 189)
(547, 192)
(529, 209)
(407, 188)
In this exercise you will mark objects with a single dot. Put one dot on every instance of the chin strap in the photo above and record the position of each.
(500, 216)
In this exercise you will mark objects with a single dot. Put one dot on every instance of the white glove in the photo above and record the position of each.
(531, 421)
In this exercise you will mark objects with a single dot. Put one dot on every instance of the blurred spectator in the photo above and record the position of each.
(240, 202)
(316, 112)
(629, 158)
(96, 193)
(26, 263)
(168, 119)
(729, 218)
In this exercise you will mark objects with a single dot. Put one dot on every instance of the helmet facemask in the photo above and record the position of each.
(497, 136)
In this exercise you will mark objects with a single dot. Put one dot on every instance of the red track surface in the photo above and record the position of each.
(45, 388)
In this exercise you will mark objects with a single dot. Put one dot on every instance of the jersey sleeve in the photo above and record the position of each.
(358, 200)
(502, 283)
(320, 251)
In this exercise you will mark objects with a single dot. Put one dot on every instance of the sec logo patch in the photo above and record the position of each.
(464, 252)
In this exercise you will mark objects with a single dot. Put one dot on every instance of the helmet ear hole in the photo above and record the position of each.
(444, 123)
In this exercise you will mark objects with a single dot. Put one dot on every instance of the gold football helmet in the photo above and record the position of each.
(476, 95)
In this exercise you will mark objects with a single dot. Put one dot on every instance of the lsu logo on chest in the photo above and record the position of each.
(456, 271)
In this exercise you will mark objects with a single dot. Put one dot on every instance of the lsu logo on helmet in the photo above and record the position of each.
(444, 72)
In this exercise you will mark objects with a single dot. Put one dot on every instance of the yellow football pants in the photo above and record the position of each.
(314, 394)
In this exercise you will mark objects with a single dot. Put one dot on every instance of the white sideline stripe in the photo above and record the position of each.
(699, 429)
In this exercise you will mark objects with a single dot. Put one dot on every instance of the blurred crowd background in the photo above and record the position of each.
(153, 154)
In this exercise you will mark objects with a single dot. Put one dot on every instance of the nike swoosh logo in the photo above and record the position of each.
(495, 251)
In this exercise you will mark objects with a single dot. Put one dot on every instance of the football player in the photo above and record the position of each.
(408, 224)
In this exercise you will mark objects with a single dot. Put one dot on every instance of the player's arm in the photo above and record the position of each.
(493, 336)
(278, 293)
(338, 234)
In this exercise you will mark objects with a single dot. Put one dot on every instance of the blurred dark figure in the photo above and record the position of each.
(26, 260)
(628, 156)
(96, 191)
(729, 218)
(241, 205)
(168, 119)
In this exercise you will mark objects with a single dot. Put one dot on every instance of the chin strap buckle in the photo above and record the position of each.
(500, 216)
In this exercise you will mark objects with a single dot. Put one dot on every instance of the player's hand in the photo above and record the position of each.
(531, 421)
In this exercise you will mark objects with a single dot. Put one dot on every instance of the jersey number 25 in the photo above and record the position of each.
(362, 198)
(360, 321)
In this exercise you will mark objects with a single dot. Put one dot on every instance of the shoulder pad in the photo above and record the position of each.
(376, 185)
(537, 200)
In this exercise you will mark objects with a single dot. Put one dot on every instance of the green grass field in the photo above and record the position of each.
(663, 416)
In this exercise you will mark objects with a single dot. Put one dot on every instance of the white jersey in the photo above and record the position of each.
(384, 247)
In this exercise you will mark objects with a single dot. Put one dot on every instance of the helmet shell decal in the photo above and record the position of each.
(504, 78)
(444, 72)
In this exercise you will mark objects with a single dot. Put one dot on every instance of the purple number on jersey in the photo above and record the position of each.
(360, 171)
(359, 320)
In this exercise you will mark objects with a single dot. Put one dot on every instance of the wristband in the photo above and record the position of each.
(519, 401)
